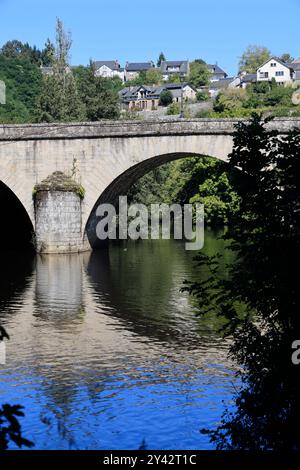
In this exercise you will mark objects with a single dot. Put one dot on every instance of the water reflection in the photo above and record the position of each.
(106, 351)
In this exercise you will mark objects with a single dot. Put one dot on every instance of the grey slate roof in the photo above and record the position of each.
(138, 66)
(214, 68)
(111, 64)
(182, 64)
(285, 64)
(296, 65)
(153, 92)
(222, 83)
(249, 78)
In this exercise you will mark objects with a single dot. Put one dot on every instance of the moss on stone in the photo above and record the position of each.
(59, 181)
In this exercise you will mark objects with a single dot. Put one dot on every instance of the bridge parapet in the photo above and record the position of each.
(125, 129)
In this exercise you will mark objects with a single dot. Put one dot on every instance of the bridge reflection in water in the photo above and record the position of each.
(106, 351)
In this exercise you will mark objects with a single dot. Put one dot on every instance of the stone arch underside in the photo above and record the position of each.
(120, 186)
(17, 228)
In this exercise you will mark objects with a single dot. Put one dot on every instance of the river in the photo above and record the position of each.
(106, 352)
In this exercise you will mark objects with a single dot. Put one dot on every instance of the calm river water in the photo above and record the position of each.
(105, 352)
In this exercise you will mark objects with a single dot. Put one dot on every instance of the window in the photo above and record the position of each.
(273, 64)
(280, 73)
(264, 74)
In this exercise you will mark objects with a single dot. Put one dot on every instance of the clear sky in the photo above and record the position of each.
(133, 30)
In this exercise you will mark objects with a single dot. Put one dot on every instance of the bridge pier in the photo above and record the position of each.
(58, 215)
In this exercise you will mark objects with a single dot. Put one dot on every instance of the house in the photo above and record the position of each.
(247, 79)
(296, 67)
(133, 69)
(138, 98)
(187, 91)
(216, 72)
(275, 69)
(216, 86)
(2, 92)
(109, 69)
(144, 97)
(170, 68)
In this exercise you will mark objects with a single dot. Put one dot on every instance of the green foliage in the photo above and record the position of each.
(219, 198)
(23, 84)
(230, 99)
(253, 57)
(153, 77)
(99, 95)
(202, 96)
(263, 97)
(174, 78)
(64, 95)
(260, 297)
(165, 98)
(161, 58)
(199, 73)
(286, 57)
(59, 100)
(173, 109)
(195, 179)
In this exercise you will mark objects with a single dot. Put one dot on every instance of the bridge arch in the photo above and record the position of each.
(16, 225)
(122, 183)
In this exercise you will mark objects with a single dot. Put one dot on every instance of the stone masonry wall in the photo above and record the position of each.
(58, 222)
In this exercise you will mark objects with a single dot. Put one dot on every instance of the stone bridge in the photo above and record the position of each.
(105, 157)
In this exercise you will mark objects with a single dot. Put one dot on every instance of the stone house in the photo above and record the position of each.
(109, 69)
(170, 68)
(133, 69)
(139, 98)
(216, 72)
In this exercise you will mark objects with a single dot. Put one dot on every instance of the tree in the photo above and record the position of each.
(161, 58)
(199, 73)
(260, 298)
(165, 98)
(230, 99)
(59, 99)
(63, 46)
(99, 95)
(48, 54)
(17, 50)
(153, 77)
(23, 81)
(286, 57)
(253, 57)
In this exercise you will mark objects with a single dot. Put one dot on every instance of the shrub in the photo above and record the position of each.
(202, 96)
(165, 98)
(173, 109)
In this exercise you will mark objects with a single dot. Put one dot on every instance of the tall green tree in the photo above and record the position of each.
(160, 59)
(23, 81)
(59, 99)
(199, 73)
(99, 95)
(48, 54)
(253, 57)
(286, 57)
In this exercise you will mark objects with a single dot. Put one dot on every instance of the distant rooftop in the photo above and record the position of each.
(111, 64)
(183, 65)
(214, 68)
(138, 66)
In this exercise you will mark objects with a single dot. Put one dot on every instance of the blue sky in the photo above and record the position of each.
(217, 31)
